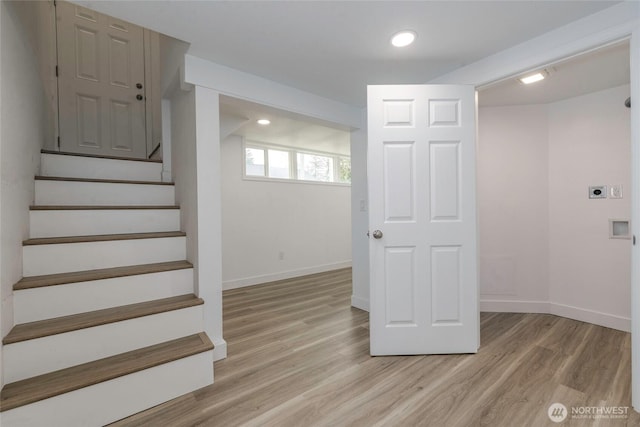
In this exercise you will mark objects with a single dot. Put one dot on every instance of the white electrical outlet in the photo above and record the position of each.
(615, 191)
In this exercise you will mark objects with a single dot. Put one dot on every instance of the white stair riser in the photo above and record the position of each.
(102, 193)
(29, 358)
(112, 400)
(60, 223)
(30, 305)
(67, 257)
(88, 167)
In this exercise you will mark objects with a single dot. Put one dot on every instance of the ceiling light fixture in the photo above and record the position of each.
(532, 78)
(403, 38)
(264, 122)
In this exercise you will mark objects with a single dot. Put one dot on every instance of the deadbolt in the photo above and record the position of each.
(139, 85)
(139, 97)
(377, 234)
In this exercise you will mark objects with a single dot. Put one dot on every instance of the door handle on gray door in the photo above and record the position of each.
(377, 234)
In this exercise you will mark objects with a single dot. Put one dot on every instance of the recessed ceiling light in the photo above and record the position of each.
(532, 78)
(264, 122)
(403, 38)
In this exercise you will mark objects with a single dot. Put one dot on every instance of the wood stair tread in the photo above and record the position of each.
(102, 238)
(66, 380)
(99, 156)
(99, 180)
(98, 274)
(98, 207)
(59, 325)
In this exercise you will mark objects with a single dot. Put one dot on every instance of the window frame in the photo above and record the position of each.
(293, 163)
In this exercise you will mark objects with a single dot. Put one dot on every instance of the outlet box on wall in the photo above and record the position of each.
(598, 192)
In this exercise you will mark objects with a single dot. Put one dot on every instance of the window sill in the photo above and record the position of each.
(294, 181)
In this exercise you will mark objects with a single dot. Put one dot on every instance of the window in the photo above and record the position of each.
(254, 160)
(264, 161)
(279, 164)
(314, 167)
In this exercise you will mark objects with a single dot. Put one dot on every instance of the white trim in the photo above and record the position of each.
(147, 92)
(241, 85)
(591, 316)
(358, 302)
(294, 181)
(545, 307)
(166, 140)
(272, 277)
(635, 218)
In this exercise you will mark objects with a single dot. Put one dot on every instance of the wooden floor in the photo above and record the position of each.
(298, 356)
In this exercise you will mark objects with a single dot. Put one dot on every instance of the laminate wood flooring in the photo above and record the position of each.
(298, 355)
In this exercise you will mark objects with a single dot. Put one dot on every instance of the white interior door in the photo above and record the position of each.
(100, 83)
(422, 217)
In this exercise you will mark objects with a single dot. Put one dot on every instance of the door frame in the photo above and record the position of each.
(152, 75)
(500, 67)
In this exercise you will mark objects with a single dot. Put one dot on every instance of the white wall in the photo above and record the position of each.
(512, 207)
(183, 131)
(544, 246)
(589, 144)
(309, 223)
(38, 22)
(172, 53)
(25, 128)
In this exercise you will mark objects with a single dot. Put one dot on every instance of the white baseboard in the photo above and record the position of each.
(361, 303)
(514, 306)
(219, 350)
(597, 318)
(265, 278)
(590, 316)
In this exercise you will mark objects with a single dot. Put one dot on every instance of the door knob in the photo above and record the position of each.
(139, 97)
(139, 85)
(377, 234)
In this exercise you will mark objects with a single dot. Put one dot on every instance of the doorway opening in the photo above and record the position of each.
(107, 85)
(286, 195)
(546, 243)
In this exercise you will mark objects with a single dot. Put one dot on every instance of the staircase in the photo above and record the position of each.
(106, 321)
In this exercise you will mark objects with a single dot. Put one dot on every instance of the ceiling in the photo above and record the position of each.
(590, 72)
(240, 117)
(335, 48)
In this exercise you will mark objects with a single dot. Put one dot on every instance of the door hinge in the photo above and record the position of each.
(58, 142)
(56, 71)
(55, 3)
(634, 240)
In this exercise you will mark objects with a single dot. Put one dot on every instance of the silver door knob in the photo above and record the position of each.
(377, 234)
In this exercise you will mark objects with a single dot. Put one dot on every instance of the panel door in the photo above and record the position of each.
(100, 83)
(422, 217)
